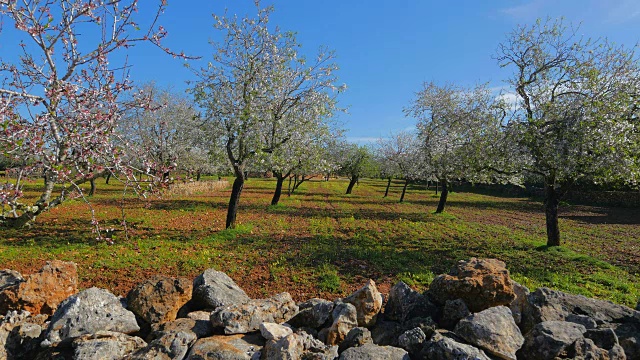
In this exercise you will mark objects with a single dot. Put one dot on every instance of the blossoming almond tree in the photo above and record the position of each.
(455, 125)
(60, 97)
(257, 79)
(578, 113)
(401, 154)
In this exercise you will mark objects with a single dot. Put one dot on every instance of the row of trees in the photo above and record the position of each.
(261, 105)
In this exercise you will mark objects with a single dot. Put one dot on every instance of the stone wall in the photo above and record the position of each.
(474, 312)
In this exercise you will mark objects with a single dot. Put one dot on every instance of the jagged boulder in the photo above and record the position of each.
(405, 303)
(493, 330)
(213, 289)
(345, 318)
(247, 317)
(549, 339)
(88, 312)
(39, 293)
(412, 340)
(368, 303)
(20, 335)
(357, 336)
(440, 347)
(202, 328)
(374, 352)
(105, 345)
(170, 346)
(298, 346)
(227, 347)
(453, 312)
(480, 283)
(518, 304)
(312, 313)
(159, 298)
(550, 305)
(273, 331)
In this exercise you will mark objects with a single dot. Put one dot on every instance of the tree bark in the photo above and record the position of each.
(443, 196)
(352, 182)
(386, 192)
(404, 189)
(93, 186)
(108, 178)
(238, 185)
(437, 187)
(551, 202)
(289, 190)
(278, 192)
(198, 174)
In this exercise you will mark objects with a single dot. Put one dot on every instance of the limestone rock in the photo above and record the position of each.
(19, 335)
(368, 303)
(159, 298)
(88, 312)
(412, 340)
(247, 317)
(405, 303)
(40, 292)
(171, 346)
(345, 318)
(105, 345)
(546, 305)
(312, 313)
(549, 339)
(374, 352)
(298, 346)
(202, 328)
(9, 277)
(453, 311)
(227, 347)
(357, 336)
(480, 283)
(586, 349)
(443, 348)
(272, 331)
(213, 289)
(494, 330)
(520, 302)
(602, 338)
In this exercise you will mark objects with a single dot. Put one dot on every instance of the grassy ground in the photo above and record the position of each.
(320, 242)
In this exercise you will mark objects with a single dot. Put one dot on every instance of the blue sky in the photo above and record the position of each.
(385, 49)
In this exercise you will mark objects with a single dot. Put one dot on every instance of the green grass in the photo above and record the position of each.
(320, 242)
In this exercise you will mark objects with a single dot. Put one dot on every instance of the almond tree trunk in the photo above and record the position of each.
(443, 196)
(551, 202)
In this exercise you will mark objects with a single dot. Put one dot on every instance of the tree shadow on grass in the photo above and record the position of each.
(606, 215)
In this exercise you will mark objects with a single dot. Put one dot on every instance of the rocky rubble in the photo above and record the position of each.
(475, 312)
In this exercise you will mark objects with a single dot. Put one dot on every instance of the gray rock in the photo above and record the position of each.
(368, 303)
(312, 313)
(213, 289)
(443, 348)
(602, 338)
(583, 320)
(88, 312)
(412, 340)
(405, 303)
(453, 311)
(520, 302)
(298, 346)
(19, 336)
(272, 331)
(9, 277)
(345, 318)
(227, 347)
(202, 328)
(374, 352)
(548, 339)
(199, 315)
(546, 305)
(171, 346)
(386, 333)
(105, 345)
(494, 330)
(357, 336)
(247, 317)
(583, 349)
